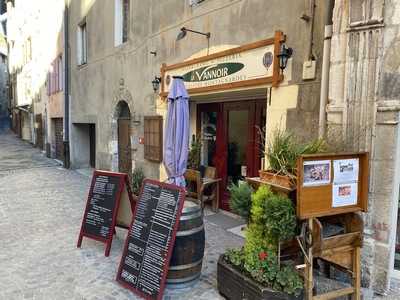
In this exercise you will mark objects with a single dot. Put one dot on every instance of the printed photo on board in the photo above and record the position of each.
(344, 194)
(316, 172)
(345, 170)
(345, 190)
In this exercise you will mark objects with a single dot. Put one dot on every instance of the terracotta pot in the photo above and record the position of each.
(275, 179)
(234, 285)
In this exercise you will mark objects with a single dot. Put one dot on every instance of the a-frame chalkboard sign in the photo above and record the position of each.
(102, 206)
(148, 247)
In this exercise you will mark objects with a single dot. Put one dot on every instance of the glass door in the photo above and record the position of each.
(230, 140)
(238, 142)
(208, 136)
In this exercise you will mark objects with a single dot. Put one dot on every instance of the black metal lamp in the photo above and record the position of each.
(184, 31)
(284, 56)
(156, 83)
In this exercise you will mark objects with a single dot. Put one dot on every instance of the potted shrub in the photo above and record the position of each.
(256, 271)
(240, 199)
(137, 180)
(282, 152)
(194, 154)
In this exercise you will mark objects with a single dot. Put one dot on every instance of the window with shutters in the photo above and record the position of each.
(55, 76)
(153, 138)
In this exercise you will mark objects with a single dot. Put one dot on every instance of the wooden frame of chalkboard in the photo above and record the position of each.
(165, 268)
(319, 197)
(121, 180)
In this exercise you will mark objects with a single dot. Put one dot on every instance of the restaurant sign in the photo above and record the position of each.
(248, 65)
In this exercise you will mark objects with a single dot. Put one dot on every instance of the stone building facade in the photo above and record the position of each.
(37, 72)
(4, 99)
(363, 114)
(118, 47)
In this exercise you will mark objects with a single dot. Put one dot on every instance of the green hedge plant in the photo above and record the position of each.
(137, 180)
(240, 199)
(272, 220)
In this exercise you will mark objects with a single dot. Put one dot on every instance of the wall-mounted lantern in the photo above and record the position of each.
(284, 56)
(156, 83)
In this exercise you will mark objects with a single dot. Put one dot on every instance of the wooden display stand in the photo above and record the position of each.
(341, 251)
(326, 200)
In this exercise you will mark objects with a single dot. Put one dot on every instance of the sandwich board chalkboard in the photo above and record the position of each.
(102, 206)
(148, 247)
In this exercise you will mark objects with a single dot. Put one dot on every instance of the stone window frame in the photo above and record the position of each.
(82, 43)
(369, 12)
(121, 21)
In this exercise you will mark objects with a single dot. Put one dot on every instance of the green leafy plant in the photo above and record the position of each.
(240, 199)
(194, 154)
(256, 233)
(288, 281)
(235, 257)
(137, 180)
(262, 265)
(283, 151)
(272, 220)
(280, 218)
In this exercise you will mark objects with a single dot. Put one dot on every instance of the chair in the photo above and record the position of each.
(210, 172)
(194, 185)
(210, 186)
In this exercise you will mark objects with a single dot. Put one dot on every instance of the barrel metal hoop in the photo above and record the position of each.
(191, 209)
(190, 232)
(191, 216)
(183, 280)
(187, 266)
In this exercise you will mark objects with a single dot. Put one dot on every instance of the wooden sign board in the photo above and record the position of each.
(148, 247)
(331, 184)
(102, 206)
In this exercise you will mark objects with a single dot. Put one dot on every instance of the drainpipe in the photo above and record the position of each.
(66, 86)
(323, 101)
(310, 55)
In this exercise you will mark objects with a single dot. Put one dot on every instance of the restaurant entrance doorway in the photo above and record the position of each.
(229, 133)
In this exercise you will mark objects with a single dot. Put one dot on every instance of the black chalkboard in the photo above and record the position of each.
(102, 206)
(102, 202)
(149, 244)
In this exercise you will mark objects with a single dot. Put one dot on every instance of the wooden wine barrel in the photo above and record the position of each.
(187, 256)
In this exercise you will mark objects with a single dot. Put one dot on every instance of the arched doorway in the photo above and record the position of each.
(124, 140)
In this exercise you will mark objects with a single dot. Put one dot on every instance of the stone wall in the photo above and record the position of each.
(154, 26)
(363, 116)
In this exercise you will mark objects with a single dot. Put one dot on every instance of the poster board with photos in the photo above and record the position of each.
(330, 184)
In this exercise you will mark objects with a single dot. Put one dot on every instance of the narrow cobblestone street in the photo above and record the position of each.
(41, 206)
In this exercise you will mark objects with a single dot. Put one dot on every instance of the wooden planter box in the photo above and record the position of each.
(234, 285)
(275, 179)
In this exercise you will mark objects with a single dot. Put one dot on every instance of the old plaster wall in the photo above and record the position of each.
(363, 114)
(154, 26)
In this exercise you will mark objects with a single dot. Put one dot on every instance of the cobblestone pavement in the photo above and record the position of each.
(41, 207)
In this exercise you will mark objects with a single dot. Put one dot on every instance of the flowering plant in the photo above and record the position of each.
(272, 220)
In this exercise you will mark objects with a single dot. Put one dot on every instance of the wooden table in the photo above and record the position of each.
(209, 182)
